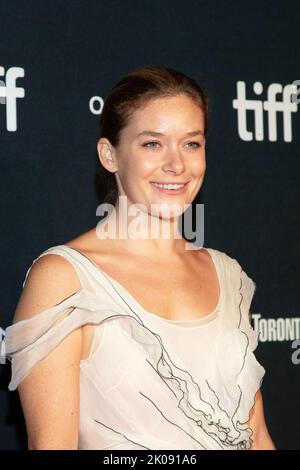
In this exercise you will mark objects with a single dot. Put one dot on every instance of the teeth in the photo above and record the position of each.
(168, 186)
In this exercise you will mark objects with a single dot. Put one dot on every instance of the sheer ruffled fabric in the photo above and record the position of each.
(152, 403)
(242, 374)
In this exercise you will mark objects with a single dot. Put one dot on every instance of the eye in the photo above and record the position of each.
(147, 144)
(153, 144)
(195, 143)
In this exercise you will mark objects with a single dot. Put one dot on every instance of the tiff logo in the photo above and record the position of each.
(9, 93)
(2, 346)
(272, 106)
(295, 98)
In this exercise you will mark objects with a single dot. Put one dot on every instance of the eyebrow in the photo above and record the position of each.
(157, 134)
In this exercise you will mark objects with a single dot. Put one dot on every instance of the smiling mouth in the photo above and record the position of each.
(170, 188)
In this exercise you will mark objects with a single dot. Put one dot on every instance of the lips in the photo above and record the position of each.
(171, 192)
(169, 182)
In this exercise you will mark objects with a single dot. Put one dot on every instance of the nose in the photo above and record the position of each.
(174, 162)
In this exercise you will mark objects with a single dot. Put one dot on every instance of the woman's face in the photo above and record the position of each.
(163, 143)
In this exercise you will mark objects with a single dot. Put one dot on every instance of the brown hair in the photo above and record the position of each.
(134, 91)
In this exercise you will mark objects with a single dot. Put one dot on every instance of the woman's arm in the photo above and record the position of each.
(49, 394)
(261, 437)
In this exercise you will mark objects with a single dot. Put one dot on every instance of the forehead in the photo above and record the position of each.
(167, 112)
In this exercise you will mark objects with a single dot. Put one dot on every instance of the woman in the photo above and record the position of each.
(123, 340)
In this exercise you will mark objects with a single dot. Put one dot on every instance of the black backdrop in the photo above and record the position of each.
(67, 52)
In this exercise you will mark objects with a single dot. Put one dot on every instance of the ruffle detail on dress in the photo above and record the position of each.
(203, 421)
(241, 372)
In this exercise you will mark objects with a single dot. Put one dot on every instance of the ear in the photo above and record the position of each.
(107, 155)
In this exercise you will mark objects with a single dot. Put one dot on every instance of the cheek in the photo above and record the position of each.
(147, 166)
(127, 167)
(199, 166)
(144, 166)
(136, 168)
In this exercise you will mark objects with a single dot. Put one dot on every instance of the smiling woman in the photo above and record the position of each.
(131, 94)
(141, 342)
(172, 165)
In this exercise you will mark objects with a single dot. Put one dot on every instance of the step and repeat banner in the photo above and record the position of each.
(58, 61)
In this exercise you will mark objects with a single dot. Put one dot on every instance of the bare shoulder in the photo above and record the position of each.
(50, 280)
(90, 245)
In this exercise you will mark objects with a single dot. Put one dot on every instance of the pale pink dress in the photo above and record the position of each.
(151, 383)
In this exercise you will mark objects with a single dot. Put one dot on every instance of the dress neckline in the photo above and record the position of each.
(202, 321)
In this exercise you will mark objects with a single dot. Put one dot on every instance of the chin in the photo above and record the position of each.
(167, 210)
